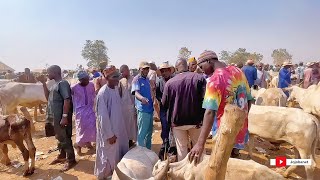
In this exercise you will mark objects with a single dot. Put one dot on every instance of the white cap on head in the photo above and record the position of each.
(151, 62)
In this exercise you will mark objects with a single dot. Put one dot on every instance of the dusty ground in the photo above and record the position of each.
(84, 168)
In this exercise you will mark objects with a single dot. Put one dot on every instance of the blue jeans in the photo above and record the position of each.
(145, 128)
(164, 127)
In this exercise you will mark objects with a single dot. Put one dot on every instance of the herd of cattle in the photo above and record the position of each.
(269, 118)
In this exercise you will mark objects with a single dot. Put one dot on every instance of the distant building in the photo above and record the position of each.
(5, 68)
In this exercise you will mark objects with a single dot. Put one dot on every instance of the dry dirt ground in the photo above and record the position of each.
(84, 168)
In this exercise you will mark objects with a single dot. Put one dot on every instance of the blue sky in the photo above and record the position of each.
(36, 32)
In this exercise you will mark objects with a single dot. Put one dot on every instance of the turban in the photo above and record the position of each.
(207, 55)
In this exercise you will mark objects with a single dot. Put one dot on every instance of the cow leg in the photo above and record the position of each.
(250, 145)
(4, 151)
(32, 150)
(309, 169)
(28, 117)
(25, 154)
(35, 113)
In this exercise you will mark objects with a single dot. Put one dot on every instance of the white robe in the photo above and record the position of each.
(110, 122)
(128, 108)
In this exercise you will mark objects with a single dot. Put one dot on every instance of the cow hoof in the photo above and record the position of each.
(31, 171)
(28, 172)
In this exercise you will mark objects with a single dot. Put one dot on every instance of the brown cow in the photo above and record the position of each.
(13, 130)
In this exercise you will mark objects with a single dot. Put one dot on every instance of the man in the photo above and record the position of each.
(166, 72)
(261, 76)
(192, 64)
(100, 81)
(315, 74)
(152, 75)
(112, 138)
(285, 76)
(182, 97)
(141, 89)
(250, 72)
(227, 85)
(307, 75)
(83, 96)
(59, 112)
(127, 98)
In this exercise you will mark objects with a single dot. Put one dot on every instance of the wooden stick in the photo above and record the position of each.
(231, 123)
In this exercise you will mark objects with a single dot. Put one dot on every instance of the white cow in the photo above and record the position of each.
(217, 165)
(308, 99)
(271, 97)
(292, 125)
(140, 164)
(15, 94)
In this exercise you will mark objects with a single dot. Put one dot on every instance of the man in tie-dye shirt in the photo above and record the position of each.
(227, 85)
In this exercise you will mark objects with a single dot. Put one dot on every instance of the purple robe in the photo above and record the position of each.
(83, 104)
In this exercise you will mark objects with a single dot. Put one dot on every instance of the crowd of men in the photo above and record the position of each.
(116, 110)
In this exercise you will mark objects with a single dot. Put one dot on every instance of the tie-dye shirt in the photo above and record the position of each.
(228, 86)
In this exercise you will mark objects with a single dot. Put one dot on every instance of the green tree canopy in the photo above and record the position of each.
(240, 56)
(95, 52)
(184, 53)
(280, 55)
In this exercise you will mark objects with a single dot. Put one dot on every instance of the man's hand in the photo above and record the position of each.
(64, 122)
(112, 140)
(144, 100)
(196, 153)
(42, 79)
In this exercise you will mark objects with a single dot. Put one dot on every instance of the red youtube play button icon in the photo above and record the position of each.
(281, 161)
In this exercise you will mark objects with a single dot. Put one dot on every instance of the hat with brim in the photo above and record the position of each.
(82, 75)
(143, 65)
(287, 63)
(165, 66)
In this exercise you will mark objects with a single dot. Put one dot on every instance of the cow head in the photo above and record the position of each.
(160, 175)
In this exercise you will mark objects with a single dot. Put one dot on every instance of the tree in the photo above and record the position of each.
(95, 52)
(280, 55)
(184, 53)
(240, 56)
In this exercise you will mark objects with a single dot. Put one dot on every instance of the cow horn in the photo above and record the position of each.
(162, 174)
(122, 175)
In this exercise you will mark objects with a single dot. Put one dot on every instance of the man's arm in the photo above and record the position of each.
(66, 106)
(43, 80)
(138, 95)
(196, 152)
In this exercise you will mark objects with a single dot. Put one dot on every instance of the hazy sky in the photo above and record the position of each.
(36, 32)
